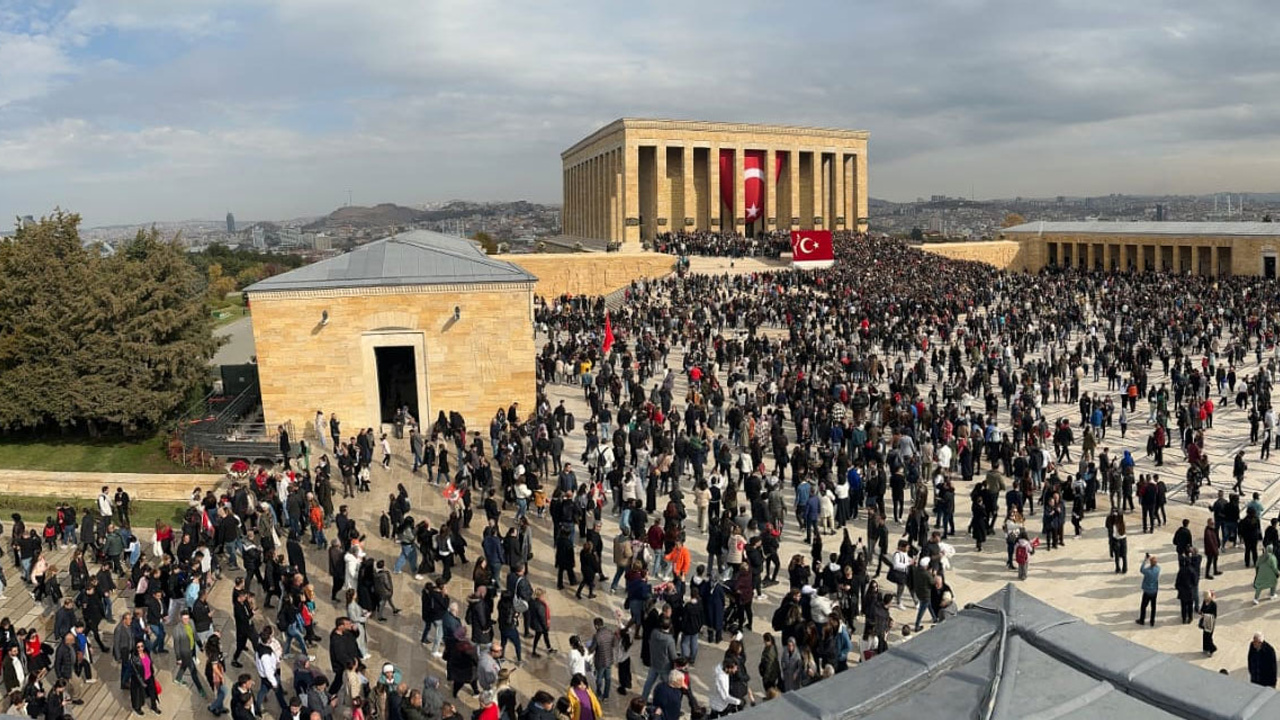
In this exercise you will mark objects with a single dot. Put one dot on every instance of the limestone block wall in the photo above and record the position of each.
(1201, 254)
(82, 486)
(475, 364)
(1003, 254)
(591, 273)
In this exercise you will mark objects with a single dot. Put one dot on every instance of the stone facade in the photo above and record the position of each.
(1199, 254)
(474, 364)
(590, 273)
(1004, 254)
(634, 179)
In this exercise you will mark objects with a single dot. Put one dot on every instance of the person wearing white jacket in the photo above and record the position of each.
(722, 701)
(267, 655)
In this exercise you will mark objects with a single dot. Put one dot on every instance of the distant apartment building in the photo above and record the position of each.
(259, 237)
(231, 224)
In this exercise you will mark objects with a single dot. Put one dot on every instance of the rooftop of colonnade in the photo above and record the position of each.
(705, 127)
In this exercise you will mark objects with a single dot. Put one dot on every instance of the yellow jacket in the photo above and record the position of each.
(575, 705)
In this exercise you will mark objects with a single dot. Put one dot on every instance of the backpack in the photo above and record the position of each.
(568, 422)
(1021, 555)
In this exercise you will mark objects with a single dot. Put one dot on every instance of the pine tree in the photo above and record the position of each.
(157, 346)
(97, 343)
(44, 275)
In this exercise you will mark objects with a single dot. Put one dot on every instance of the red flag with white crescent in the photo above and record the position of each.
(753, 169)
(608, 334)
(812, 249)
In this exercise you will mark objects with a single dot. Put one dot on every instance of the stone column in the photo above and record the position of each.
(860, 188)
(690, 195)
(770, 191)
(589, 188)
(631, 192)
(662, 206)
(597, 196)
(739, 192)
(1214, 270)
(793, 174)
(840, 208)
(713, 182)
(816, 167)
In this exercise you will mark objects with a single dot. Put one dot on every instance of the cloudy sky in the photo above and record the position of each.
(137, 110)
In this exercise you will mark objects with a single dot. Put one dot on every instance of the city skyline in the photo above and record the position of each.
(135, 110)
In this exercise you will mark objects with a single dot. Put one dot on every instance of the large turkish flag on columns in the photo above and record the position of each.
(812, 249)
(752, 183)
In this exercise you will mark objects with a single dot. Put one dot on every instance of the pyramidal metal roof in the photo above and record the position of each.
(417, 257)
(1107, 227)
(1013, 656)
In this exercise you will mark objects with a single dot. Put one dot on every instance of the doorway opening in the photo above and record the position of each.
(1269, 267)
(397, 381)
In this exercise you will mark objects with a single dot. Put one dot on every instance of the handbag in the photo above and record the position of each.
(896, 576)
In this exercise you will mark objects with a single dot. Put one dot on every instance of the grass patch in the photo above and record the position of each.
(142, 513)
(229, 310)
(79, 454)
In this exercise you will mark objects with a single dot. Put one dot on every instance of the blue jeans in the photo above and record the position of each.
(408, 554)
(921, 606)
(157, 640)
(689, 646)
(513, 635)
(231, 549)
(219, 700)
(522, 507)
(294, 633)
(603, 680)
(266, 689)
(617, 575)
(317, 536)
(650, 680)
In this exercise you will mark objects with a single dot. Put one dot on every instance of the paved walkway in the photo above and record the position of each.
(1077, 578)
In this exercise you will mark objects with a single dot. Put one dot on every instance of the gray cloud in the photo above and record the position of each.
(275, 109)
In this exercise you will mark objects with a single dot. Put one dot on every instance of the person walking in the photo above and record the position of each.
(1265, 574)
(1150, 586)
(1208, 622)
(1022, 552)
(1262, 662)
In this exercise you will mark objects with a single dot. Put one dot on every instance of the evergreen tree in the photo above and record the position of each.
(98, 343)
(45, 274)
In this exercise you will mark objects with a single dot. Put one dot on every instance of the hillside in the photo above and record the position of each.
(390, 214)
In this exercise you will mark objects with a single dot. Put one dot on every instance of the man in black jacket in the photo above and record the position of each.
(343, 648)
(64, 665)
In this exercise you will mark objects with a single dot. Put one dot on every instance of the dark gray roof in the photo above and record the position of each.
(1023, 658)
(418, 257)
(1106, 227)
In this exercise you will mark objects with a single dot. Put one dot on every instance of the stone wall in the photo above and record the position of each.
(590, 273)
(1003, 254)
(475, 364)
(86, 485)
(1200, 254)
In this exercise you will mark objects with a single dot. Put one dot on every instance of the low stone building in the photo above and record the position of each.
(419, 319)
(1200, 248)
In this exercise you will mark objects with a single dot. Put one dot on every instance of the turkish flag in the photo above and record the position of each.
(752, 182)
(812, 249)
(608, 334)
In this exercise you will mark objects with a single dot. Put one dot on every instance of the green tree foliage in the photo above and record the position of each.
(98, 344)
(917, 235)
(487, 242)
(242, 265)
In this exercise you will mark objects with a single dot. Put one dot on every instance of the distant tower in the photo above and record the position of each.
(231, 224)
(1159, 212)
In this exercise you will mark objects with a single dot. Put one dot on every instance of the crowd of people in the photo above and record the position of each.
(730, 245)
(847, 409)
